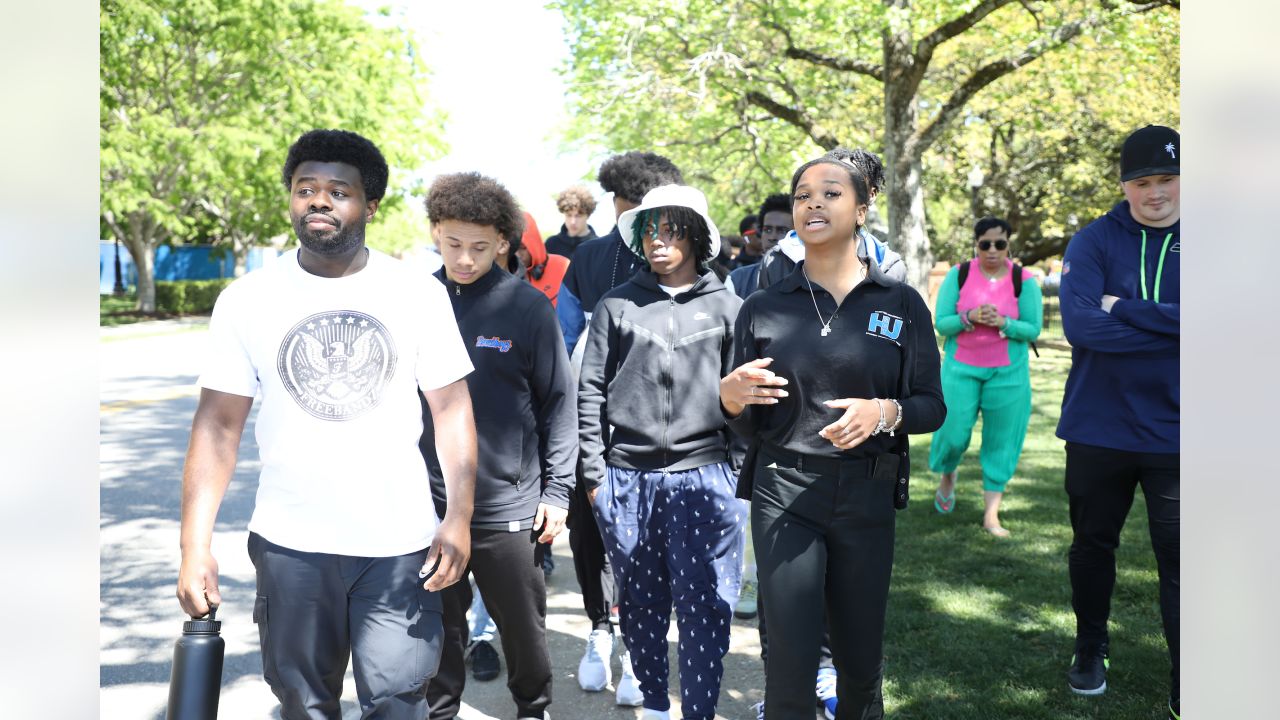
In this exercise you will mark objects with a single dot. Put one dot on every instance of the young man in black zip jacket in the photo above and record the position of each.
(524, 403)
(598, 266)
(656, 450)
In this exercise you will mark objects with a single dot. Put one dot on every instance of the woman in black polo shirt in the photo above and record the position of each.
(834, 365)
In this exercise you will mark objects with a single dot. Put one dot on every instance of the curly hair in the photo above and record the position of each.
(576, 198)
(778, 202)
(632, 174)
(340, 146)
(748, 223)
(686, 222)
(473, 198)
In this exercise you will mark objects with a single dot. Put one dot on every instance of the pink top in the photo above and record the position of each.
(983, 346)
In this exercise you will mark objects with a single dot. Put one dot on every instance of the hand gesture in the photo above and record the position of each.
(751, 384)
(855, 425)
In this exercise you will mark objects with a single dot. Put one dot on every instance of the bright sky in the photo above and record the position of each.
(493, 69)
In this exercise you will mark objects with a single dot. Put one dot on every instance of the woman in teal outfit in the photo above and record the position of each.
(987, 329)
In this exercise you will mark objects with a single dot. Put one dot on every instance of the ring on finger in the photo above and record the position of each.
(753, 390)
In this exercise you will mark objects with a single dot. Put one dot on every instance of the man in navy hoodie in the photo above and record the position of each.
(526, 423)
(1120, 412)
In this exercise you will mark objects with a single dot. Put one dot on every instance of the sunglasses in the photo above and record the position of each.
(985, 245)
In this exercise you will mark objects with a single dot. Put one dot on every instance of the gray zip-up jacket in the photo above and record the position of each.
(649, 392)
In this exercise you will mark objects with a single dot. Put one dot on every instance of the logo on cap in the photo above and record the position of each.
(1169, 149)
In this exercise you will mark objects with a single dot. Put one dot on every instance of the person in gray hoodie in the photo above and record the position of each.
(656, 451)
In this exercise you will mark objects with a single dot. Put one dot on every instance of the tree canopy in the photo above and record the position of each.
(200, 100)
(739, 93)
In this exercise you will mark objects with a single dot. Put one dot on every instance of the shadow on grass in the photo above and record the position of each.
(981, 627)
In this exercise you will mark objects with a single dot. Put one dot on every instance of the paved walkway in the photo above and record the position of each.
(147, 396)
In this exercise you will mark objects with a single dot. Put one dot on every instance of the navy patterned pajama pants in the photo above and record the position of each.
(674, 539)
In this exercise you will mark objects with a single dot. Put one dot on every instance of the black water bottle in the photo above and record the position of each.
(197, 670)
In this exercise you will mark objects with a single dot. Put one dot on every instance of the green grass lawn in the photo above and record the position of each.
(981, 627)
(114, 311)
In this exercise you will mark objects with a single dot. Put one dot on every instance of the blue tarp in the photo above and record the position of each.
(183, 262)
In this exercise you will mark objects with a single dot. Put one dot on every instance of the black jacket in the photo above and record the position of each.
(649, 393)
(563, 244)
(523, 399)
(882, 330)
(598, 266)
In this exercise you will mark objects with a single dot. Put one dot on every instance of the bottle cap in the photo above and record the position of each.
(206, 625)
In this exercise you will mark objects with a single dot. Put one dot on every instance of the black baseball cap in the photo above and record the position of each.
(1153, 150)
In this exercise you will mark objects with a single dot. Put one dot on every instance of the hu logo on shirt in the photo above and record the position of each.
(336, 364)
(494, 342)
(882, 324)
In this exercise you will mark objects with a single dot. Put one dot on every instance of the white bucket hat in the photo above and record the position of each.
(668, 196)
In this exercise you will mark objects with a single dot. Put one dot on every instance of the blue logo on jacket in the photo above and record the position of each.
(494, 342)
(884, 325)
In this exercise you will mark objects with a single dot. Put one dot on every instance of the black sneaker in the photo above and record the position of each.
(484, 661)
(1088, 673)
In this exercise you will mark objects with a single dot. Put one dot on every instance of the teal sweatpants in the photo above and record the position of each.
(1003, 395)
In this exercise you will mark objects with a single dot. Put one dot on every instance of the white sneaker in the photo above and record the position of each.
(758, 709)
(826, 691)
(594, 673)
(629, 689)
(655, 715)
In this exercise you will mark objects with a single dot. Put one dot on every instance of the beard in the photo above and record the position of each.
(342, 240)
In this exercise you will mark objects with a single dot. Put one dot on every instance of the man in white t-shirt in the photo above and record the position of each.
(338, 340)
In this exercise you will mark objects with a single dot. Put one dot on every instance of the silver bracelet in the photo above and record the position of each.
(880, 426)
(897, 422)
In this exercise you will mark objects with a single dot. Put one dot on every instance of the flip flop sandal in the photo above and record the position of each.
(944, 504)
(997, 531)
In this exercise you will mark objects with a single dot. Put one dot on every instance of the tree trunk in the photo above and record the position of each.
(906, 220)
(903, 168)
(240, 252)
(142, 244)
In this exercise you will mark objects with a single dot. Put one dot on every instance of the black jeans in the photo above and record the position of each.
(823, 531)
(824, 650)
(1100, 483)
(508, 570)
(590, 563)
(314, 610)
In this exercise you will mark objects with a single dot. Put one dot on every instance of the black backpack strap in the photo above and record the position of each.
(964, 274)
(1017, 292)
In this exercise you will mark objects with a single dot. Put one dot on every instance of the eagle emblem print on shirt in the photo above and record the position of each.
(336, 364)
